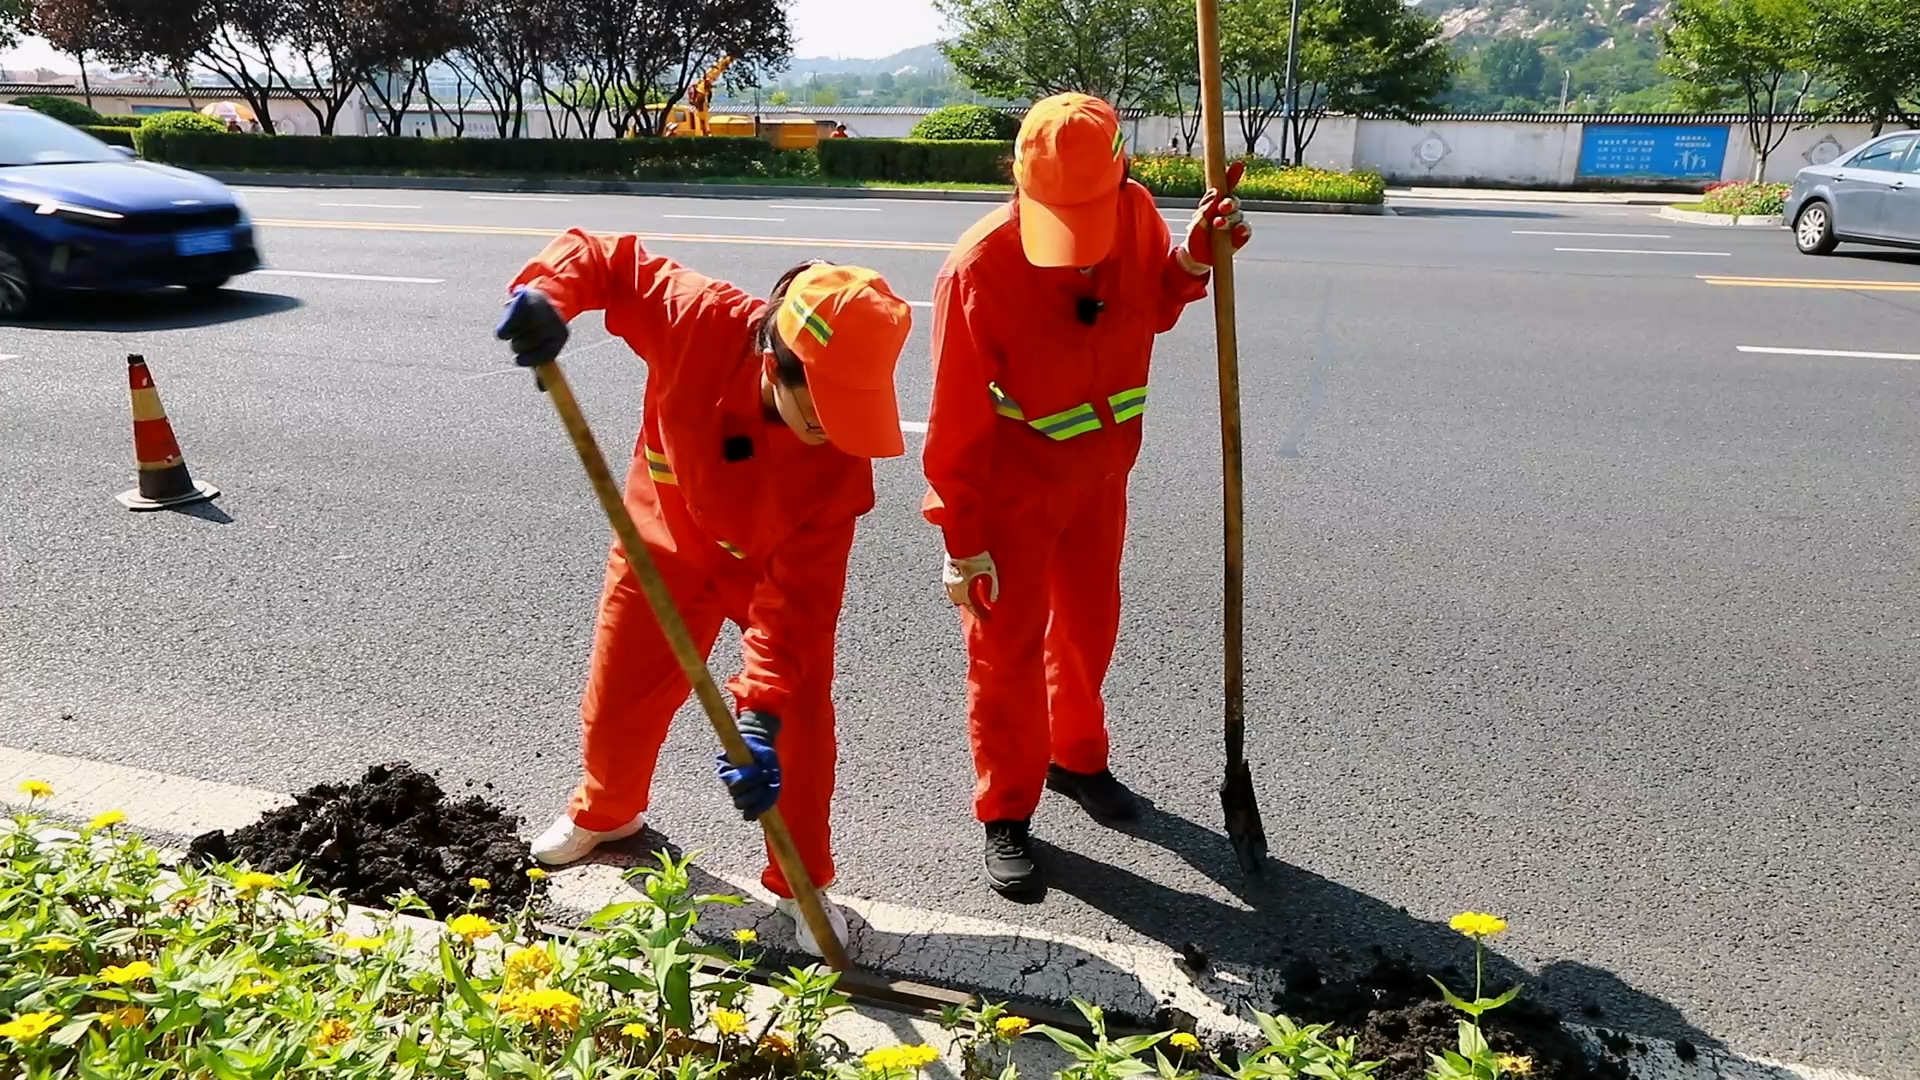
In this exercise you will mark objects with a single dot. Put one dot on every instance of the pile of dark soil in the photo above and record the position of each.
(1398, 1017)
(393, 830)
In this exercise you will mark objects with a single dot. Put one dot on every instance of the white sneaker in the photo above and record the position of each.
(564, 842)
(808, 943)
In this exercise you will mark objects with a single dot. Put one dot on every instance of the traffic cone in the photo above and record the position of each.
(164, 480)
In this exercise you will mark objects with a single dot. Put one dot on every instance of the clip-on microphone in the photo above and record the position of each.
(1088, 308)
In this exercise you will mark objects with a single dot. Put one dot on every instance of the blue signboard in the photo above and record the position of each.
(1653, 151)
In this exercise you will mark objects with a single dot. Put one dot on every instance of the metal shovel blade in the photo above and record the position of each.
(1244, 827)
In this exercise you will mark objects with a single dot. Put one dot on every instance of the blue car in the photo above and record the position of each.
(77, 214)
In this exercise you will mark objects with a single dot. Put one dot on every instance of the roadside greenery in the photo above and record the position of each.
(114, 965)
(975, 122)
(1743, 199)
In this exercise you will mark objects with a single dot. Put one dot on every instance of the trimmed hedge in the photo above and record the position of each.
(182, 121)
(118, 121)
(65, 110)
(964, 122)
(1744, 198)
(113, 136)
(625, 159)
(1264, 181)
(910, 161)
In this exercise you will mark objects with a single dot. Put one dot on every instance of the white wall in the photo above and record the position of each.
(1468, 152)
(1808, 146)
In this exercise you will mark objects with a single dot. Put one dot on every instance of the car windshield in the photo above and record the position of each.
(27, 138)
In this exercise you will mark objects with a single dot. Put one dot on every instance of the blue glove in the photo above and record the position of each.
(756, 787)
(535, 329)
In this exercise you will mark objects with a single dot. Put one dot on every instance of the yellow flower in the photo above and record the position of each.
(776, 1044)
(333, 1031)
(130, 1017)
(362, 944)
(107, 820)
(552, 1008)
(121, 976)
(636, 1031)
(255, 988)
(527, 966)
(536, 874)
(254, 881)
(29, 1026)
(36, 789)
(1515, 1064)
(1011, 1027)
(1477, 925)
(53, 945)
(890, 1059)
(471, 927)
(745, 937)
(1184, 1042)
(729, 1021)
(479, 884)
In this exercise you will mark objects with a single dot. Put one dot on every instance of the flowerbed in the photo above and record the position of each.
(1263, 181)
(1743, 199)
(115, 965)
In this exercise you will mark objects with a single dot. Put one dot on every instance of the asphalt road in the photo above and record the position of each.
(1561, 605)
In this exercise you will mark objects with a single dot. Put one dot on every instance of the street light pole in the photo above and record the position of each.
(1290, 98)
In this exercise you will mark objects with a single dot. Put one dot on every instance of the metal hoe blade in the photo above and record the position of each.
(1244, 827)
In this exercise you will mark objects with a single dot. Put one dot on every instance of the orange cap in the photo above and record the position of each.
(847, 327)
(1069, 164)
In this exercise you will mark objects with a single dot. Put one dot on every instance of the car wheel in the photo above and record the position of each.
(1813, 229)
(16, 285)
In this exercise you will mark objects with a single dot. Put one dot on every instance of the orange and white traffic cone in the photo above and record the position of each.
(164, 480)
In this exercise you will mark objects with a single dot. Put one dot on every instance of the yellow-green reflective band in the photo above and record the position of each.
(733, 551)
(1003, 404)
(1128, 404)
(659, 469)
(1065, 425)
(814, 324)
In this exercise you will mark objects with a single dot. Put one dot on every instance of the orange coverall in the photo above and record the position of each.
(1035, 426)
(745, 521)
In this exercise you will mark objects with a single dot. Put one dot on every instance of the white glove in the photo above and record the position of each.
(958, 578)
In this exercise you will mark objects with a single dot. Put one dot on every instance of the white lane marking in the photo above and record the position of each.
(518, 198)
(1614, 235)
(1644, 251)
(834, 209)
(920, 303)
(917, 427)
(717, 217)
(1016, 961)
(1844, 354)
(9, 356)
(354, 277)
(375, 205)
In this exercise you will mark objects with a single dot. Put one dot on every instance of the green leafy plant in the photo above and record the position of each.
(1185, 177)
(1474, 1059)
(983, 1037)
(182, 122)
(1104, 1058)
(966, 122)
(1298, 1050)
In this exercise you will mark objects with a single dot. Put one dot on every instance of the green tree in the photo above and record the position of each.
(1755, 54)
(13, 21)
(1868, 53)
(1513, 68)
(1014, 49)
(1383, 57)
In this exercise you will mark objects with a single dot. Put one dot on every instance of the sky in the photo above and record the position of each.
(849, 29)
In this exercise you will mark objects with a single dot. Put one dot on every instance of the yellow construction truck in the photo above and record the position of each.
(694, 117)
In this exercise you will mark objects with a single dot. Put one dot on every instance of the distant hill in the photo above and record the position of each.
(921, 58)
(1519, 55)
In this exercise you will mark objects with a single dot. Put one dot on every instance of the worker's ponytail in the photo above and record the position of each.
(786, 366)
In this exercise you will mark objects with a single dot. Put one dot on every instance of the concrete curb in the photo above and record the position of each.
(1572, 198)
(1724, 221)
(530, 185)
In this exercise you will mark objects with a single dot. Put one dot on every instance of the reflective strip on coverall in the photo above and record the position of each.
(1047, 497)
(761, 540)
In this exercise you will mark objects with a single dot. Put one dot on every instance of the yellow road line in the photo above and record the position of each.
(1811, 283)
(665, 238)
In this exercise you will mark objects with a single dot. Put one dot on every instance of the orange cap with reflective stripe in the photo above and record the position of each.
(847, 327)
(1069, 163)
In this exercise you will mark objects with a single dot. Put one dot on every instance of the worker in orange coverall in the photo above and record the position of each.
(753, 462)
(1043, 327)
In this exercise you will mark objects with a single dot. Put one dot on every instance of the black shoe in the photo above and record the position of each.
(1099, 794)
(1011, 868)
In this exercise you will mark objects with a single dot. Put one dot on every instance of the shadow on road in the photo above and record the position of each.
(168, 309)
(205, 511)
(1886, 256)
(1287, 921)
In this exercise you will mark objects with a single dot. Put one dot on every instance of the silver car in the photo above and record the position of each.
(1871, 196)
